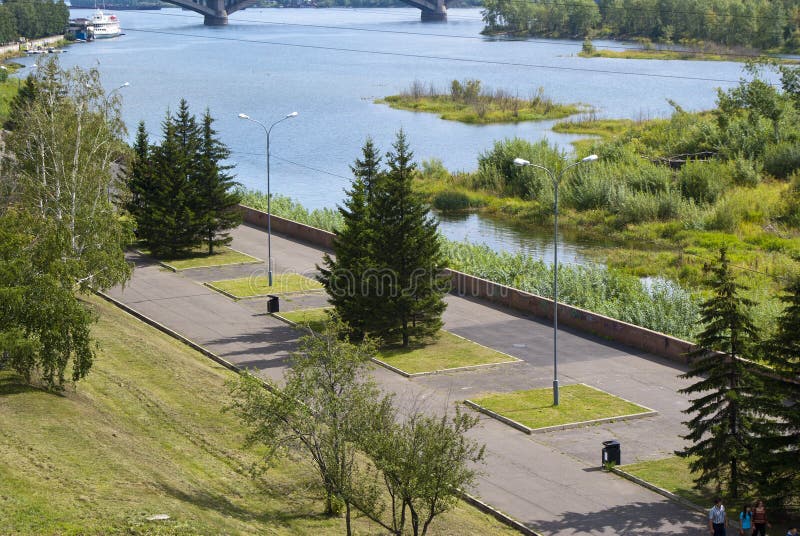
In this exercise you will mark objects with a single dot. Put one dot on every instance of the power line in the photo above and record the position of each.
(298, 164)
(438, 58)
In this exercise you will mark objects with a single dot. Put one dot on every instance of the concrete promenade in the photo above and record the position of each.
(550, 482)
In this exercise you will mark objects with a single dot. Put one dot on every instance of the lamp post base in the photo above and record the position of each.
(555, 392)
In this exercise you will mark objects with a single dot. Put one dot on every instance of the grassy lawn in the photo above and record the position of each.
(247, 287)
(315, 318)
(577, 403)
(134, 440)
(671, 474)
(446, 352)
(199, 257)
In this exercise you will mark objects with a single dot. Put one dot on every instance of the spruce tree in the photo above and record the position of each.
(343, 276)
(142, 186)
(216, 209)
(408, 289)
(730, 403)
(172, 210)
(780, 464)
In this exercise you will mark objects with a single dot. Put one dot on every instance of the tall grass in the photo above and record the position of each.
(660, 305)
(327, 218)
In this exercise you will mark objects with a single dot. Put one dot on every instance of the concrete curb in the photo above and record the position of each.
(570, 425)
(497, 514)
(467, 498)
(668, 494)
(504, 420)
(174, 334)
(443, 371)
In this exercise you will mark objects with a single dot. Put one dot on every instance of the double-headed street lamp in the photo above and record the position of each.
(556, 178)
(267, 130)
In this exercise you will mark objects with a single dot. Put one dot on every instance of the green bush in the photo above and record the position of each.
(702, 181)
(451, 200)
(496, 167)
(744, 172)
(782, 160)
(589, 188)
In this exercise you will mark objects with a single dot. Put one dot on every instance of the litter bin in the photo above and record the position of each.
(272, 304)
(611, 453)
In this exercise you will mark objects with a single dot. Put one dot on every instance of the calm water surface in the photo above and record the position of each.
(269, 62)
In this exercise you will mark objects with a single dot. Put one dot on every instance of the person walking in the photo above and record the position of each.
(716, 518)
(746, 521)
(760, 523)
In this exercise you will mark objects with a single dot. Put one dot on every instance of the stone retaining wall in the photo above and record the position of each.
(467, 285)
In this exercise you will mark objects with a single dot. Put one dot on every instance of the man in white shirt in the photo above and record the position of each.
(716, 518)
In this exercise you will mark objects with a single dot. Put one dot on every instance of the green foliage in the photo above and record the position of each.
(663, 306)
(385, 278)
(497, 172)
(32, 19)
(702, 182)
(781, 474)
(424, 461)
(761, 24)
(451, 201)
(326, 218)
(782, 160)
(63, 231)
(724, 428)
(181, 193)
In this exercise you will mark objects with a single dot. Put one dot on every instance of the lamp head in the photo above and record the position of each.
(590, 158)
(520, 162)
(244, 116)
(126, 84)
(293, 114)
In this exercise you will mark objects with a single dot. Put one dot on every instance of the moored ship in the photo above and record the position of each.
(105, 25)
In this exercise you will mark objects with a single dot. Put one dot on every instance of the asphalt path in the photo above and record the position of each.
(550, 481)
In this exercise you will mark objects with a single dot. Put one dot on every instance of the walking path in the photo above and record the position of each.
(551, 482)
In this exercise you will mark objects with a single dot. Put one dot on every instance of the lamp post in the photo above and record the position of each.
(267, 130)
(556, 178)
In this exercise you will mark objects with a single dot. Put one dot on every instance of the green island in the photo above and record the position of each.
(134, 440)
(648, 52)
(466, 101)
(579, 403)
(445, 351)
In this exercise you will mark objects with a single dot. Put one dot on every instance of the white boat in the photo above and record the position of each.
(105, 25)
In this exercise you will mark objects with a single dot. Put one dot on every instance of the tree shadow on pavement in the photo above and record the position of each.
(631, 519)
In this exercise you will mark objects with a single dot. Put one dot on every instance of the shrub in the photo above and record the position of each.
(744, 172)
(782, 160)
(451, 200)
(497, 167)
(702, 182)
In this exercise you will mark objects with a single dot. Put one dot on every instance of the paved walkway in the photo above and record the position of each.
(548, 481)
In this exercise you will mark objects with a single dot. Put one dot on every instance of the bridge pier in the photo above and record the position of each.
(216, 20)
(434, 16)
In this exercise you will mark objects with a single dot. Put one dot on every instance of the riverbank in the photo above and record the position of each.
(16, 50)
(685, 55)
(468, 102)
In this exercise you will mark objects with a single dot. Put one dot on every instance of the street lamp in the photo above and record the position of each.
(556, 178)
(267, 130)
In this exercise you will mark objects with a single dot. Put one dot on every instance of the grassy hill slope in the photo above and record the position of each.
(144, 435)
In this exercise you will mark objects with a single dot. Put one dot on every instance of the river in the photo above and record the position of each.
(330, 65)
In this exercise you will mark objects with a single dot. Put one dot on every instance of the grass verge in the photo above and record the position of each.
(673, 475)
(315, 318)
(447, 351)
(199, 258)
(134, 439)
(577, 403)
(248, 287)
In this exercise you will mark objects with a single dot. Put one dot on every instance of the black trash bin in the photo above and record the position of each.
(272, 304)
(611, 452)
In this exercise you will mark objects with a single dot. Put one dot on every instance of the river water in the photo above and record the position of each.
(330, 65)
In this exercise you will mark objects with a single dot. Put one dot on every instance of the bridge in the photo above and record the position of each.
(216, 11)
